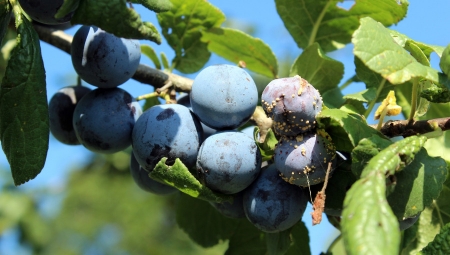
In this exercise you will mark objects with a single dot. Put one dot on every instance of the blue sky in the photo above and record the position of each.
(427, 21)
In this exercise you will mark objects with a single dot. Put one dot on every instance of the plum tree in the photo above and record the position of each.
(44, 11)
(145, 182)
(228, 161)
(60, 109)
(103, 59)
(303, 160)
(223, 90)
(103, 120)
(273, 205)
(171, 131)
(381, 187)
(293, 104)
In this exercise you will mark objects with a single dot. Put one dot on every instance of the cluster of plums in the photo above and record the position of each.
(303, 153)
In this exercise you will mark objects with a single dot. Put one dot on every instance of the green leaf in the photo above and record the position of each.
(151, 54)
(267, 148)
(374, 45)
(178, 176)
(436, 94)
(441, 207)
(417, 185)
(24, 129)
(310, 21)
(115, 17)
(278, 243)
(202, 222)
(321, 71)
(366, 149)
(423, 232)
(155, 5)
(164, 60)
(369, 225)
(377, 86)
(182, 26)
(236, 46)
(441, 243)
(300, 240)
(247, 240)
(345, 129)
(427, 49)
(67, 7)
(417, 53)
(5, 18)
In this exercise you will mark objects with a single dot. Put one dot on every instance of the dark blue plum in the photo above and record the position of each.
(104, 119)
(171, 131)
(224, 96)
(186, 101)
(233, 210)
(228, 162)
(145, 182)
(60, 111)
(293, 104)
(303, 160)
(44, 11)
(102, 59)
(273, 205)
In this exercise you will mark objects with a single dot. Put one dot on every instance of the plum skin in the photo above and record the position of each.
(223, 96)
(293, 104)
(273, 205)
(145, 182)
(171, 131)
(44, 11)
(303, 160)
(104, 118)
(102, 59)
(60, 109)
(228, 162)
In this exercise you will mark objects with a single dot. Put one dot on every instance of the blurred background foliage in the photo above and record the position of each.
(102, 212)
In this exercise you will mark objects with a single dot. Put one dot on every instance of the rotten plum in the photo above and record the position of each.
(293, 104)
(303, 160)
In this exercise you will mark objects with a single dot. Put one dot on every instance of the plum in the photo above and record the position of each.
(228, 162)
(186, 101)
(293, 104)
(145, 182)
(303, 160)
(273, 205)
(44, 11)
(104, 119)
(102, 59)
(223, 96)
(171, 131)
(60, 109)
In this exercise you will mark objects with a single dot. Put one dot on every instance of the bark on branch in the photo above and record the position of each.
(407, 128)
(144, 74)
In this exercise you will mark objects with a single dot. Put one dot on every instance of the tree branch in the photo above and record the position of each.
(407, 128)
(144, 73)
